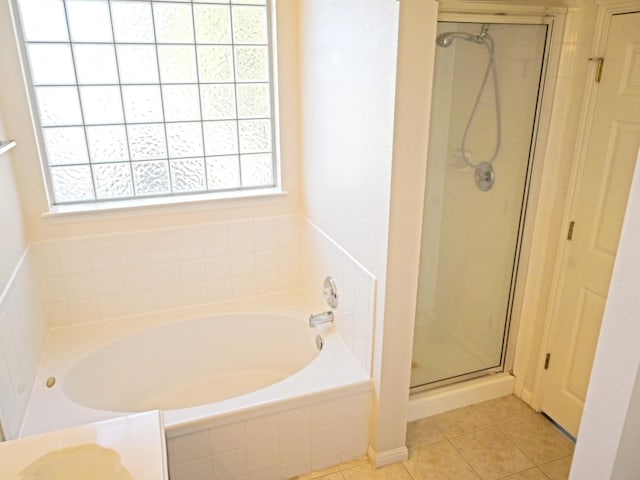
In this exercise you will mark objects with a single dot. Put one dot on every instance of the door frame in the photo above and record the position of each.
(605, 12)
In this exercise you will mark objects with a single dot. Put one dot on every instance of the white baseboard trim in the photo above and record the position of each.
(523, 394)
(425, 404)
(527, 397)
(380, 459)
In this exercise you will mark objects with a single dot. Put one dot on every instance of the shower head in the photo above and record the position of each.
(447, 38)
(444, 39)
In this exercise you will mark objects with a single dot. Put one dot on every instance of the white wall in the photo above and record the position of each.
(12, 237)
(347, 77)
(12, 247)
(23, 332)
(30, 186)
(610, 426)
(348, 53)
(22, 325)
(626, 463)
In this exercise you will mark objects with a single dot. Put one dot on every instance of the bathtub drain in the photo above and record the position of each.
(319, 342)
(51, 381)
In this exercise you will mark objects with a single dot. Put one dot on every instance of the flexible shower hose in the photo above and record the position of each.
(491, 67)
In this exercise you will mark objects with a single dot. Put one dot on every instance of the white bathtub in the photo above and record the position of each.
(191, 363)
(250, 374)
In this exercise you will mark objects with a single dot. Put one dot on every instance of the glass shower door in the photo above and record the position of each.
(486, 89)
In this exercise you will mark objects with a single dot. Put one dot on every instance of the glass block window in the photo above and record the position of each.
(151, 98)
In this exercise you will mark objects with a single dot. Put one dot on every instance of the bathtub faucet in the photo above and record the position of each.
(321, 318)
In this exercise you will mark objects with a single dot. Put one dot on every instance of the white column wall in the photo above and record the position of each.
(394, 337)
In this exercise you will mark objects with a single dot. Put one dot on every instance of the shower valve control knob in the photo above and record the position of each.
(484, 176)
(330, 291)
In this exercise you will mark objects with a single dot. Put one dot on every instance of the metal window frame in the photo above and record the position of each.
(272, 82)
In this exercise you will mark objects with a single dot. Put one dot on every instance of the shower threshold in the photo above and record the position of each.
(424, 403)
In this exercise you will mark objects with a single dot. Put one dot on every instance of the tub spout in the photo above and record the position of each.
(321, 318)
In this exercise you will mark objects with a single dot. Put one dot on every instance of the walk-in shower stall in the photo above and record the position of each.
(487, 87)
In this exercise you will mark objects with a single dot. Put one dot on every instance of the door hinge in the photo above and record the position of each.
(546, 361)
(600, 61)
(570, 232)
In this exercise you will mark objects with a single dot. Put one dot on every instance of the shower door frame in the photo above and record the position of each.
(554, 19)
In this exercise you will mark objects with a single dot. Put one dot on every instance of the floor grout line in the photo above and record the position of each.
(473, 469)
(539, 465)
(520, 449)
(408, 472)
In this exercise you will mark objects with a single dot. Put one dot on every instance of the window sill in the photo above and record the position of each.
(143, 205)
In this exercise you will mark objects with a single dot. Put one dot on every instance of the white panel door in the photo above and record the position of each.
(601, 195)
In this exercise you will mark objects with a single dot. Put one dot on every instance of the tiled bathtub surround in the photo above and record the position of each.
(23, 332)
(356, 290)
(280, 445)
(81, 280)
(107, 276)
